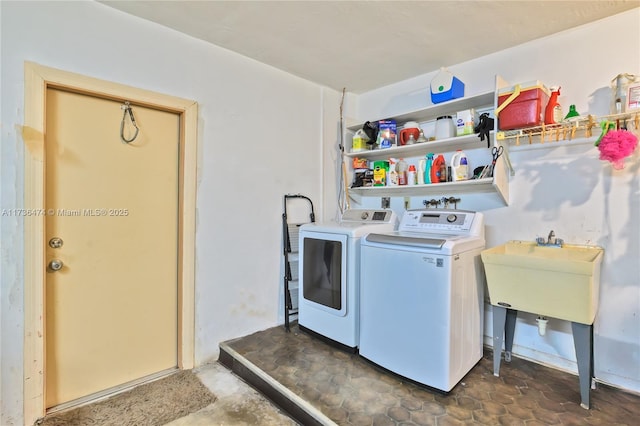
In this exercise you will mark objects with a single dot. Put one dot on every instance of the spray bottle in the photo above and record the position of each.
(553, 111)
(392, 176)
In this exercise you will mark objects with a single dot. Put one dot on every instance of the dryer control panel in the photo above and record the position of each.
(368, 216)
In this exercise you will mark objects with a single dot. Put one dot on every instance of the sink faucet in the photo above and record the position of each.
(551, 240)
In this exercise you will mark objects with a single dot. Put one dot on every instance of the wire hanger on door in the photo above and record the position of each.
(126, 107)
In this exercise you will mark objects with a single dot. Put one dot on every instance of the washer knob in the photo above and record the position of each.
(452, 218)
(364, 215)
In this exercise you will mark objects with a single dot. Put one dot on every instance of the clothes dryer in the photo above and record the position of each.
(329, 274)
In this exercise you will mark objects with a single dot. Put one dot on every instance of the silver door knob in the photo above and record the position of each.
(55, 242)
(56, 265)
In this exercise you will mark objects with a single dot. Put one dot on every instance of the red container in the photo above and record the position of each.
(526, 109)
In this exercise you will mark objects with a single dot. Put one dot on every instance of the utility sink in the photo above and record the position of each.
(558, 282)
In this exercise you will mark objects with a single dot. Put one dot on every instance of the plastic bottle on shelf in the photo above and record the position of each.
(359, 141)
(422, 165)
(411, 175)
(444, 176)
(401, 168)
(572, 114)
(392, 178)
(553, 111)
(427, 168)
(459, 166)
(436, 169)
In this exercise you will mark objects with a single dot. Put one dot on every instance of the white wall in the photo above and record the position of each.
(564, 187)
(260, 136)
(286, 125)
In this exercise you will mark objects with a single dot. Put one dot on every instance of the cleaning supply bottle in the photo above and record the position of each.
(401, 168)
(553, 111)
(392, 177)
(359, 141)
(411, 175)
(436, 169)
(459, 166)
(572, 114)
(422, 165)
(444, 177)
(427, 168)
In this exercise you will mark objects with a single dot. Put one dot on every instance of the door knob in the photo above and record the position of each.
(55, 242)
(55, 265)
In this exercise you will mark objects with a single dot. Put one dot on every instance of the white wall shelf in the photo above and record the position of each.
(486, 185)
(420, 149)
(499, 183)
(431, 112)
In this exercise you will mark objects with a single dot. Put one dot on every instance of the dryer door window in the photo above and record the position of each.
(323, 272)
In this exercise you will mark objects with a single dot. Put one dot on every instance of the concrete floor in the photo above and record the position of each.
(321, 385)
(327, 386)
(237, 403)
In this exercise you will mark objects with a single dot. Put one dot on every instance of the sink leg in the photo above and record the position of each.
(499, 317)
(502, 315)
(509, 331)
(583, 342)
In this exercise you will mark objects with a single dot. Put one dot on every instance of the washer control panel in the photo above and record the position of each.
(433, 220)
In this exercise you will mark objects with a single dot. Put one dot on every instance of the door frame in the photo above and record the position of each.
(37, 79)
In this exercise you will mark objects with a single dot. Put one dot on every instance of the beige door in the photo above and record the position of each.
(111, 312)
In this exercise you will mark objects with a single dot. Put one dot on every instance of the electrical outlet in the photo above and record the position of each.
(407, 203)
(386, 202)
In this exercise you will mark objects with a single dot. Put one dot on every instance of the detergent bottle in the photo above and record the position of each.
(428, 167)
(553, 111)
(459, 166)
(436, 169)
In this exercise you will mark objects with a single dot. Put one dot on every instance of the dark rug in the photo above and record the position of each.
(150, 404)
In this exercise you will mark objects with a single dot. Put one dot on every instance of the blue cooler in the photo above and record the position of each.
(445, 86)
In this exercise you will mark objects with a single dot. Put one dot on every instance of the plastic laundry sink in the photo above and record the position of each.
(549, 281)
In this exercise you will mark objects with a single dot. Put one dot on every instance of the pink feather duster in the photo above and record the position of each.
(616, 145)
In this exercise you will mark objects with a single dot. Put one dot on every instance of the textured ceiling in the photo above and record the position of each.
(363, 45)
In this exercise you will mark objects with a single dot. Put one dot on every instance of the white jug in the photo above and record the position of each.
(459, 166)
(359, 142)
(445, 127)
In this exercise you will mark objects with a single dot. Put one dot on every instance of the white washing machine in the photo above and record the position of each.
(329, 273)
(422, 296)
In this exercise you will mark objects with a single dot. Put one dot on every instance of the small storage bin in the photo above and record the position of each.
(525, 109)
